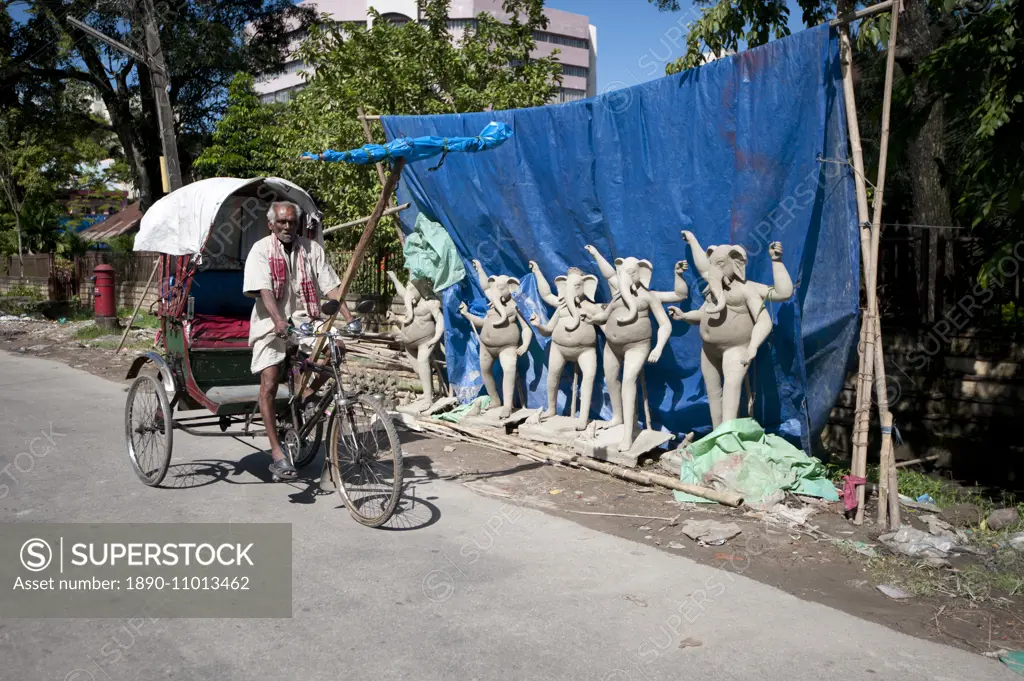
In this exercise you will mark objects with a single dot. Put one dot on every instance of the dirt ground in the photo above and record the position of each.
(813, 561)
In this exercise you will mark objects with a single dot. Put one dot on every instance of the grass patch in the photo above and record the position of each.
(91, 331)
(143, 320)
(915, 484)
(1001, 574)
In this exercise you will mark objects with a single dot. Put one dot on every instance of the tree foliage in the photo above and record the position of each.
(412, 68)
(204, 44)
(240, 145)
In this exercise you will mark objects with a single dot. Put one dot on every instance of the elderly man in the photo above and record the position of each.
(287, 275)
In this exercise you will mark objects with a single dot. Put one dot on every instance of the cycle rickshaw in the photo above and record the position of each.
(202, 234)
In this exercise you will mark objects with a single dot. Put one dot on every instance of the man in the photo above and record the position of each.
(287, 275)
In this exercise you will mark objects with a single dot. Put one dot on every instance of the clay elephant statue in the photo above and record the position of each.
(733, 319)
(499, 337)
(572, 338)
(626, 324)
(422, 327)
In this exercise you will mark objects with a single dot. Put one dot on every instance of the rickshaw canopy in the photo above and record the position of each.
(180, 223)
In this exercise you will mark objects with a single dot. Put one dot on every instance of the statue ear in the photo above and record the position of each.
(513, 284)
(490, 281)
(738, 255)
(710, 250)
(644, 271)
(590, 286)
(560, 285)
(617, 262)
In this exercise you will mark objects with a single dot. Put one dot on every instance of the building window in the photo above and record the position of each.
(545, 37)
(463, 24)
(579, 71)
(395, 18)
(282, 96)
(568, 94)
(294, 66)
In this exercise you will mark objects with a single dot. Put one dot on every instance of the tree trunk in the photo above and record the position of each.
(930, 204)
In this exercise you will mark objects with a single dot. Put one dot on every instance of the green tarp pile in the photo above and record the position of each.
(740, 457)
(431, 254)
(458, 413)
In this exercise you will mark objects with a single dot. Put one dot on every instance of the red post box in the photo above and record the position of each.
(104, 296)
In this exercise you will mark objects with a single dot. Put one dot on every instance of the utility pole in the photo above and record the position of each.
(153, 59)
(161, 86)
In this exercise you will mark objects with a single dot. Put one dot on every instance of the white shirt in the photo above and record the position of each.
(291, 305)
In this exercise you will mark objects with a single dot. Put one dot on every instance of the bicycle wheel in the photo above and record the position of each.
(366, 456)
(148, 429)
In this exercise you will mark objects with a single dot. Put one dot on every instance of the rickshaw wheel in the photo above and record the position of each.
(148, 429)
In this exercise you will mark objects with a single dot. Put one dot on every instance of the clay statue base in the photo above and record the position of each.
(558, 430)
(438, 406)
(605, 445)
(491, 418)
(672, 462)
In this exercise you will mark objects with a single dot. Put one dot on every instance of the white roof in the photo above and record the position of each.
(179, 223)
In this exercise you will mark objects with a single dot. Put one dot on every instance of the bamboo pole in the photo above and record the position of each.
(887, 471)
(361, 221)
(128, 327)
(862, 410)
(844, 19)
(550, 454)
(353, 264)
(365, 120)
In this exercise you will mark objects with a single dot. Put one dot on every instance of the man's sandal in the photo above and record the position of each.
(282, 470)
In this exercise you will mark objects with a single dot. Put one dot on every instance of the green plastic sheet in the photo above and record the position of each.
(431, 254)
(740, 457)
(458, 413)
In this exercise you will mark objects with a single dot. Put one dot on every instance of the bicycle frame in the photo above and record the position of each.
(337, 394)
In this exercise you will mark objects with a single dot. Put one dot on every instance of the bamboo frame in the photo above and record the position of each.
(871, 369)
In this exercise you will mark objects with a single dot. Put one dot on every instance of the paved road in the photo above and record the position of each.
(483, 589)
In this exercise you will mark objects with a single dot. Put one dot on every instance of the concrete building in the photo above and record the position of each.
(569, 33)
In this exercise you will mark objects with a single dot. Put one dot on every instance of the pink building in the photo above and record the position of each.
(569, 33)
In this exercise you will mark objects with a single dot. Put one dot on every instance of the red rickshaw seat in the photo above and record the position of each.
(218, 331)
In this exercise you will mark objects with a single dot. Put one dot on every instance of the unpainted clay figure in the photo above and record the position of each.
(572, 338)
(733, 319)
(421, 329)
(499, 336)
(626, 324)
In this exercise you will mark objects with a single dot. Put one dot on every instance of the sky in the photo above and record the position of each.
(634, 40)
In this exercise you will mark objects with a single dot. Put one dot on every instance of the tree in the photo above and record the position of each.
(413, 68)
(241, 146)
(205, 44)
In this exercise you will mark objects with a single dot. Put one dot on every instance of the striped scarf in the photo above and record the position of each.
(279, 275)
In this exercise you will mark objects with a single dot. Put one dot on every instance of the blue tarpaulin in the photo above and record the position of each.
(416, 149)
(745, 150)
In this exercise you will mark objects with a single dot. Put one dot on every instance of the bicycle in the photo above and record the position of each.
(364, 457)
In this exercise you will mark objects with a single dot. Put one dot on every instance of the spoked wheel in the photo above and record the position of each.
(366, 457)
(148, 429)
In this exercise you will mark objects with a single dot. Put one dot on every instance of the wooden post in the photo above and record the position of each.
(862, 410)
(887, 470)
(380, 167)
(357, 257)
(128, 327)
